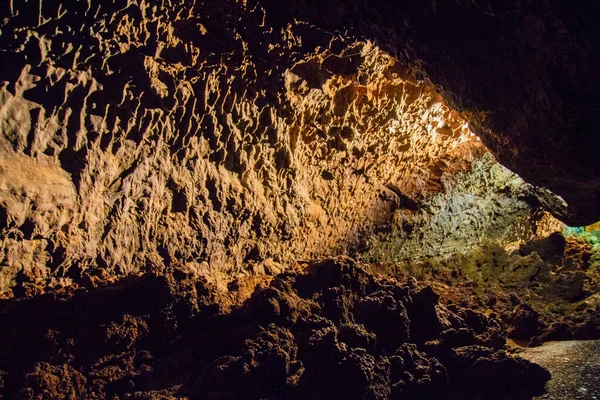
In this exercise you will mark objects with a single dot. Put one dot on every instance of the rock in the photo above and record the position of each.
(568, 285)
(490, 372)
(157, 136)
(523, 270)
(452, 338)
(589, 329)
(196, 146)
(156, 162)
(2, 383)
(356, 336)
(330, 319)
(551, 248)
(425, 322)
(578, 253)
(413, 374)
(475, 320)
(278, 303)
(55, 382)
(557, 331)
(524, 323)
(268, 364)
(525, 125)
(125, 333)
(385, 316)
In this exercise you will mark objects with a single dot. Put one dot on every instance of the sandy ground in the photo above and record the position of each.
(575, 368)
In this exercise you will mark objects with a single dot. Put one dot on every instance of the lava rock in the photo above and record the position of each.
(568, 285)
(385, 316)
(524, 323)
(490, 372)
(331, 330)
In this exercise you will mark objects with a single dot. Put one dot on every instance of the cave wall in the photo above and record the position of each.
(525, 71)
(486, 205)
(531, 68)
(225, 136)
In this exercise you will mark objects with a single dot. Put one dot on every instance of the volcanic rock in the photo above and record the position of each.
(114, 341)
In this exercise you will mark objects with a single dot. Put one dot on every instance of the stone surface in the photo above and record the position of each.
(544, 289)
(528, 72)
(222, 136)
(484, 205)
(525, 322)
(329, 329)
(202, 148)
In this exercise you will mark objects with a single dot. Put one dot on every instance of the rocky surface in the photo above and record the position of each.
(545, 289)
(487, 205)
(160, 161)
(328, 330)
(574, 367)
(526, 72)
(213, 134)
(531, 67)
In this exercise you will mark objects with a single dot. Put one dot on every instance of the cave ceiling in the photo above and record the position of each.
(526, 71)
(239, 136)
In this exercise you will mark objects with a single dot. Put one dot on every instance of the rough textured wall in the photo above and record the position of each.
(485, 205)
(527, 71)
(531, 68)
(229, 137)
(142, 134)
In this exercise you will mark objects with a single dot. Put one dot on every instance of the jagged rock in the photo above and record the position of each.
(53, 382)
(568, 285)
(590, 328)
(578, 254)
(424, 315)
(205, 144)
(414, 375)
(176, 343)
(385, 316)
(485, 371)
(557, 331)
(524, 323)
(239, 137)
(159, 135)
(268, 365)
(521, 271)
(551, 249)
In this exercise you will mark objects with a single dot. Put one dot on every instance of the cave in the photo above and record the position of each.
(288, 200)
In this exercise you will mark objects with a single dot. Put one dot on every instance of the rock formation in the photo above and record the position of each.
(526, 72)
(170, 173)
(213, 134)
(328, 330)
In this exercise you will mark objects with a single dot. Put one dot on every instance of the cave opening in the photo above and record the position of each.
(297, 200)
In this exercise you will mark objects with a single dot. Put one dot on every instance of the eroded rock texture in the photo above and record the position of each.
(136, 135)
(526, 70)
(486, 205)
(546, 289)
(532, 68)
(328, 330)
(232, 136)
(203, 148)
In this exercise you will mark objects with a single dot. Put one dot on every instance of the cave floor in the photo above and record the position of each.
(575, 368)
